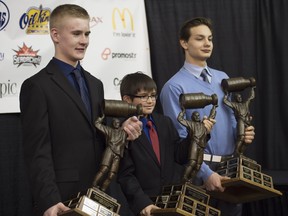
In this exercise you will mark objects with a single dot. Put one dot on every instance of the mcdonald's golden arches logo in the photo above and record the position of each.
(122, 17)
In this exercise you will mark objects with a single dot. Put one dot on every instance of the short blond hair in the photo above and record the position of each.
(64, 10)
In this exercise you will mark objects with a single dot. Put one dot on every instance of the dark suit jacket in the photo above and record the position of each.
(61, 146)
(140, 175)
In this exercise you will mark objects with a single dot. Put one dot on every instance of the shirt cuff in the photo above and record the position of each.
(204, 172)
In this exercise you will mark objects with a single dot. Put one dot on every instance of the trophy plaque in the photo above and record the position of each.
(95, 203)
(247, 182)
(183, 199)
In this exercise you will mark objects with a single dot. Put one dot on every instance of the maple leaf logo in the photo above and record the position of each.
(26, 55)
(26, 51)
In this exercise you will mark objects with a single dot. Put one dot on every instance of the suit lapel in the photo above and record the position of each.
(64, 84)
(95, 95)
(160, 134)
(144, 142)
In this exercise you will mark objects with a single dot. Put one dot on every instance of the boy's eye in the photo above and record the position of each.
(145, 98)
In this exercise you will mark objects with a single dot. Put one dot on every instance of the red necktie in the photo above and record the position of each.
(154, 139)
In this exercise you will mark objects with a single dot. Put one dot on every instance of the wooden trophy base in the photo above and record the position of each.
(75, 212)
(241, 190)
(95, 203)
(171, 212)
(181, 212)
(247, 182)
(183, 200)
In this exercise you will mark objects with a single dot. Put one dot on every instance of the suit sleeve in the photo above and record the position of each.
(37, 145)
(135, 196)
(181, 145)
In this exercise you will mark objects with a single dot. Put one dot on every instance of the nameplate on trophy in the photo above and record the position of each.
(103, 199)
(188, 190)
(183, 199)
(95, 203)
(247, 182)
(88, 206)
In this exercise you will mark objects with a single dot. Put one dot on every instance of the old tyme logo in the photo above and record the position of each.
(26, 56)
(4, 15)
(35, 20)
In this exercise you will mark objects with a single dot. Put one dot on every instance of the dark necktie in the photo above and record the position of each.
(154, 139)
(83, 90)
(204, 75)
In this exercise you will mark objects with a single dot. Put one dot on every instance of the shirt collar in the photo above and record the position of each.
(196, 70)
(66, 68)
(145, 120)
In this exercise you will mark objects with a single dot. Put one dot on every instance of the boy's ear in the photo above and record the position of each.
(183, 44)
(54, 35)
(127, 99)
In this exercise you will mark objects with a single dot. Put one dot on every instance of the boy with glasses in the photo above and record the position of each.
(142, 173)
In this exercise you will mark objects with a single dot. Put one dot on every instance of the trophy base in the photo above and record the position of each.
(181, 212)
(95, 203)
(183, 199)
(171, 212)
(247, 182)
(74, 212)
(239, 190)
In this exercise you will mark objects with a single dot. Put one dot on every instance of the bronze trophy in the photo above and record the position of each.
(247, 182)
(96, 202)
(185, 198)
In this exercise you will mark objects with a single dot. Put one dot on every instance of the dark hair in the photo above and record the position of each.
(132, 83)
(67, 10)
(185, 32)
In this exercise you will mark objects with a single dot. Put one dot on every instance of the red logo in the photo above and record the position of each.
(105, 54)
(27, 56)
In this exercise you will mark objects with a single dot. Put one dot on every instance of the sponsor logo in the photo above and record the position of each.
(1, 56)
(4, 15)
(125, 13)
(105, 54)
(117, 82)
(117, 55)
(8, 89)
(36, 20)
(123, 55)
(94, 21)
(26, 56)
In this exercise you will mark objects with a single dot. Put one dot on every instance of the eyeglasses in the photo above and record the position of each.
(145, 98)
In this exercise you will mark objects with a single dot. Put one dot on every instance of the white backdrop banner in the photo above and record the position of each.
(118, 43)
